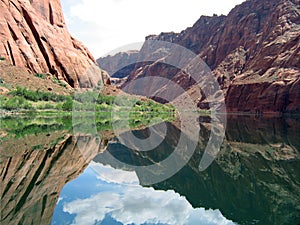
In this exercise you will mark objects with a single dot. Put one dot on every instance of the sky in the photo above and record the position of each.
(106, 25)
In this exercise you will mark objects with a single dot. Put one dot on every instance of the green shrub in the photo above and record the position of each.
(275, 78)
(40, 75)
(45, 106)
(86, 97)
(57, 81)
(67, 105)
(62, 84)
(27, 105)
(37, 147)
(12, 103)
(59, 106)
(105, 99)
(2, 58)
(102, 108)
(49, 106)
(16, 103)
(38, 95)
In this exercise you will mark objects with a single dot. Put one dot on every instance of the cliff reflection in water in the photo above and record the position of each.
(254, 180)
(38, 157)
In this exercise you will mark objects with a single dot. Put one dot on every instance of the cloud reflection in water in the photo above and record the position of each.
(130, 203)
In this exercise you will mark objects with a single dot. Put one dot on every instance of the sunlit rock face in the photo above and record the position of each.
(253, 52)
(33, 35)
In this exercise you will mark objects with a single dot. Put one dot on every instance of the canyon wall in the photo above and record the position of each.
(34, 35)
(253, 52)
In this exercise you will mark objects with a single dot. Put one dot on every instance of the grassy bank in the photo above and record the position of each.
(43, 112)
(24, 100)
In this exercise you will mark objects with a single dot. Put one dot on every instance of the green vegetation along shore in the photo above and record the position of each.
(28, 112)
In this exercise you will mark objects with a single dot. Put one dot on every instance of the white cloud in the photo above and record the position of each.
(138, 205)
(59, 199)
(110, 175)
(92, 209)
(104, 25)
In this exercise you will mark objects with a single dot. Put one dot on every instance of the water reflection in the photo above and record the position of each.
(115, 197)
(254, 180)
(38, 157)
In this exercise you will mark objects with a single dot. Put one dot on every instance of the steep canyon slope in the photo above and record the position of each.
(33, 35)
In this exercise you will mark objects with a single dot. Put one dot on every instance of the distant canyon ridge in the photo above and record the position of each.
(253, 52)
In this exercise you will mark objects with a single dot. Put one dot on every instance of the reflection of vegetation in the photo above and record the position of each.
(46, 112)
(45, 146)
(37, 147)
(22, 126)
(83, 122)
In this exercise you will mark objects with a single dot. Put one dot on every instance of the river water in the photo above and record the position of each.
(49, 177)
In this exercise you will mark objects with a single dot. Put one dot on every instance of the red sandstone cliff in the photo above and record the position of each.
(33, 35)
(253, 52)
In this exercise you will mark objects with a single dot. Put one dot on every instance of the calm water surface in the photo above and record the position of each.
(47, 179)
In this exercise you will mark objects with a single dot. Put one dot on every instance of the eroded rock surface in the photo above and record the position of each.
(253, 52)
(33, 35)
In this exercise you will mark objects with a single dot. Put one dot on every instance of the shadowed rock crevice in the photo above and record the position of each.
(36, 36)
(13, 34)
(11, 53)
(51, 14)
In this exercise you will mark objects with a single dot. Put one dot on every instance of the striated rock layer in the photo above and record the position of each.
(33, 34)
(253, 52)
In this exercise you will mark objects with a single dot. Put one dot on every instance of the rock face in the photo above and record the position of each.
(253, 52)
(119, 66)
(33, 34)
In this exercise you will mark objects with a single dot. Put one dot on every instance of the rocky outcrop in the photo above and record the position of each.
(253, 52)
(33, 35)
